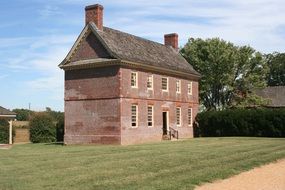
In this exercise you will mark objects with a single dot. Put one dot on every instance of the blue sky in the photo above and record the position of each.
(36, 35)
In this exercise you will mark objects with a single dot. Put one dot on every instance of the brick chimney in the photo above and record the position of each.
(94, 13)
(171, 40)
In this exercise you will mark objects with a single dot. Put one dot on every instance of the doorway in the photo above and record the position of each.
(164, 122)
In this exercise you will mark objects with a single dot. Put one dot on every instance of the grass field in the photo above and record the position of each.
(165, 165)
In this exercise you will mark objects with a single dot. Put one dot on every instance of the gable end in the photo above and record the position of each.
(89, 48)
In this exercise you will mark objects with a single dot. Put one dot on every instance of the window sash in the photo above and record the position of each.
(190, 116)
(134, 79)
(134, 115)
(189, 86)
(164, 83)
(178, 116)
(150, 116)
(178, 86)
(150, 82)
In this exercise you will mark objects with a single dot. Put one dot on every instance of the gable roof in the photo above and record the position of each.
(276, 95)
(6, 112)
(126, 47)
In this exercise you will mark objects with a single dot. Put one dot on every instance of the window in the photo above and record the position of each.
(190, 116)
(164, 83)
(178, 116)
(190, 88)
(149, 82)
(134, 115)
(134, 79)
(150, 116)
(178, 86)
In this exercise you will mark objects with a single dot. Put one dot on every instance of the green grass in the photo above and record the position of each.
(165, 165)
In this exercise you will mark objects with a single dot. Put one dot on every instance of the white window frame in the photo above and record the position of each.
(178, 86)
(150, 106)
(136, 79)
(167, 82)
(178, 108)
(189, 86)
(151, 82)
(190, 118)
(136, 106)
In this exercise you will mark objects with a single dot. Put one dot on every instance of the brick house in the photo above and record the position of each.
(123, 89)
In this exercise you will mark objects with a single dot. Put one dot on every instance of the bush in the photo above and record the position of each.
(60, 129)
(241, 122)
(42, 129)
(4, 131)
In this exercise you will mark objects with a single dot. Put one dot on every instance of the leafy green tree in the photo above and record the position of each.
(42, 128)
(276, 63)
(56, 115)
(4, 131)
(23, 114)
(229, 73)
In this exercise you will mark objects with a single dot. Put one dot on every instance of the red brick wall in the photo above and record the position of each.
(91, 84)
(98, 106)
(89, 48)
(162, 101)
(157, 93)
(92, 109)
(92, 121)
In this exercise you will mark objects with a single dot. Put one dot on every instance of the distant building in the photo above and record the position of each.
(123, 89)
(275, 95)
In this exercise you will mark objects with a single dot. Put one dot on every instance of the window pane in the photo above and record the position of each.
(189, 116)
(133, 79)
(134, 115)
(178, 116)
(190, 88)
(178, 84)
(164, 83)
(150, 115)
(149, 82)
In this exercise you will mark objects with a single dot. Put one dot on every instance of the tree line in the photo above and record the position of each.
(231, 73)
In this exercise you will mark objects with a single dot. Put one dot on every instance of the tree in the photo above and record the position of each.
(4, 131)
(23, 114)
(229, 72)
(42, 128)
(276, 63)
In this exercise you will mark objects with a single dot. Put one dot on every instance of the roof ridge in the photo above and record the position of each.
(141, 38)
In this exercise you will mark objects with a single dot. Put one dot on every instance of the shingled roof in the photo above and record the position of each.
(127, 47)
(276, 95)
(6, 112)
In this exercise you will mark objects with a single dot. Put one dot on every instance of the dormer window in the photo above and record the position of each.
(134, 79)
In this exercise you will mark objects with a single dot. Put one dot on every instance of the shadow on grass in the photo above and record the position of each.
(55, 143)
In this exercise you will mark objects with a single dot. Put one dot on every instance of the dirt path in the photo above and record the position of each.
(268, 177)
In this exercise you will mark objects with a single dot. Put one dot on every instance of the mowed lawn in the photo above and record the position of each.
(165, 165)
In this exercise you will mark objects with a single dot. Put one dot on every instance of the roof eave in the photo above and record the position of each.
(85, 64)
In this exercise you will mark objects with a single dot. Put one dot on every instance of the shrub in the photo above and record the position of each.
(241, 122)
(4, 131)
(42, 129)
(60, 129)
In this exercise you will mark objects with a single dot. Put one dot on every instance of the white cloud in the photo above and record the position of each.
(49, 11)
